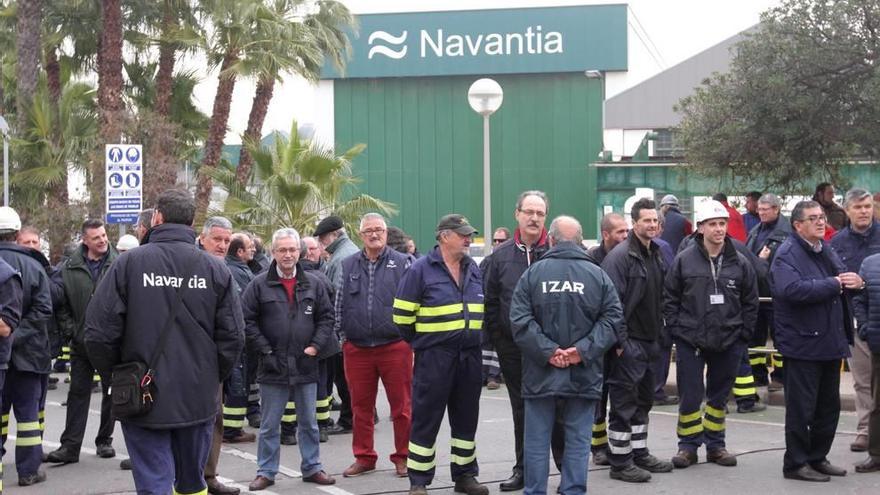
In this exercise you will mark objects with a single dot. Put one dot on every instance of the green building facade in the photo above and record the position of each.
(407, 101)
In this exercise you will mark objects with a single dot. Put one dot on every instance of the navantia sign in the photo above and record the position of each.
(554, 39)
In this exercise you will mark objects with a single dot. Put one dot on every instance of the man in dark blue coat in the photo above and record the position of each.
(563, 313)
(813, 324)
(131, 308)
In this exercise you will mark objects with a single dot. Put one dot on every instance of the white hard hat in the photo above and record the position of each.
(710, 209)
(127, 242)
(9, 220)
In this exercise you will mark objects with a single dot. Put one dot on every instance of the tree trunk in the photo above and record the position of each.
(165, 76)
(27, 41)
(216, 133)
(110, 83)
(160, 166)
(259, 109)
(57, 201)
(160, 158)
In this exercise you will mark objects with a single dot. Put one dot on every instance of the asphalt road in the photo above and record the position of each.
(757, 438)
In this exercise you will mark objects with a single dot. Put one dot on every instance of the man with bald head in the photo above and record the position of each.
(563, 314)
(614, 230)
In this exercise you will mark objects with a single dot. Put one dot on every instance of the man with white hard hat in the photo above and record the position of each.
(30, 360)
(710, 307)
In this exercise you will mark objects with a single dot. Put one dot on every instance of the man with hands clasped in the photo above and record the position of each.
(563, 313)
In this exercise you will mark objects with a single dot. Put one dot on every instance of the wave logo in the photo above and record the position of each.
(397, 52)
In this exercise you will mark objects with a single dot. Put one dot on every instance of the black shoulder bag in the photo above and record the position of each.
(131, 386)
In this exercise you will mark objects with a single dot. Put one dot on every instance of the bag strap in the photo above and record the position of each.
(163, 335)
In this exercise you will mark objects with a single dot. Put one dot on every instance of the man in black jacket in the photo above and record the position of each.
(763, 241)
(236, 388)
(637, 270)
(502, 271)
(289, 321)
(563, 312)
(711, 305)
(374, 348)
(30, 359)
(81, 274)
(130, 310)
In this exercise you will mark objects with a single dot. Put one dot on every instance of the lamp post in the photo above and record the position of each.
(485, 97)
(4, 129)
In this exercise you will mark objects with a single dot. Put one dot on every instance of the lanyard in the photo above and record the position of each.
(716, 272)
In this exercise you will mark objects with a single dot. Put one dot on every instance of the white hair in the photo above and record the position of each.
(371, 216)
(285, 233)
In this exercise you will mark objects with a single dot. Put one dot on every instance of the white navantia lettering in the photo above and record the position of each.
(532, 41)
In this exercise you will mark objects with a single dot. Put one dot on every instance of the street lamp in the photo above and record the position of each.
(485, 97)
(4, 128)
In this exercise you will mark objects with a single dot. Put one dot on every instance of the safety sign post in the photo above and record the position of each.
(124, 188)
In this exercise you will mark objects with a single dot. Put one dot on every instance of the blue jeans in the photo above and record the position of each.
(577, 417)
(273, 400)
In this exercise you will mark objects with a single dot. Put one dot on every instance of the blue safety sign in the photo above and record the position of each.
(124, 191)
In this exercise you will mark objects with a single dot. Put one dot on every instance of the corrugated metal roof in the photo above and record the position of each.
(649, 104)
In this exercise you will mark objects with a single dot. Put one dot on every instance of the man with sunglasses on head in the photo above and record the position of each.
(501, 272)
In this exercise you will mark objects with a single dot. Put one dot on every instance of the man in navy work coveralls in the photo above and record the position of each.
(169, 445)
(438, 307)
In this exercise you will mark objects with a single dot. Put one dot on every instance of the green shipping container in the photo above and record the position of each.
(424, 146)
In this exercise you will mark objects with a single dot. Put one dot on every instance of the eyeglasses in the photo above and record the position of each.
(533, 213)
(286, 250)
(370, 232)
(498, 241)
(815, 219)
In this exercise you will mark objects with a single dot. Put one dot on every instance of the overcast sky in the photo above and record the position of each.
(661, 34)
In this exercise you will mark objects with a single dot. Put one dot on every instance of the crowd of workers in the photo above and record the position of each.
(233, 334)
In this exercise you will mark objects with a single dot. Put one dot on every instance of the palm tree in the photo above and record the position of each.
(297, 182)
(296, 45)
(234, 23)
(110, 86)
(168, 139)
(28, 20)
(74, 118)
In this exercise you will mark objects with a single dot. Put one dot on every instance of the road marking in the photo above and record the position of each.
(58, 404)
(746, 421)
(333, 490)
(244, 489)
(290, 473)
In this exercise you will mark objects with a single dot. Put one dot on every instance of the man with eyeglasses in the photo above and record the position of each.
(439, 310)
(289, 324)
(810, 284)
(373, 347)
(501, 272)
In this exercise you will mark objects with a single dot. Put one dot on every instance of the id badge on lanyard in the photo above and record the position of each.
(717, 297)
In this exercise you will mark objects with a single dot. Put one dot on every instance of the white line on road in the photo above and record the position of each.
(290, 473)
(243, 488)
(746, 421)
(58, 404)
(332, 490)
